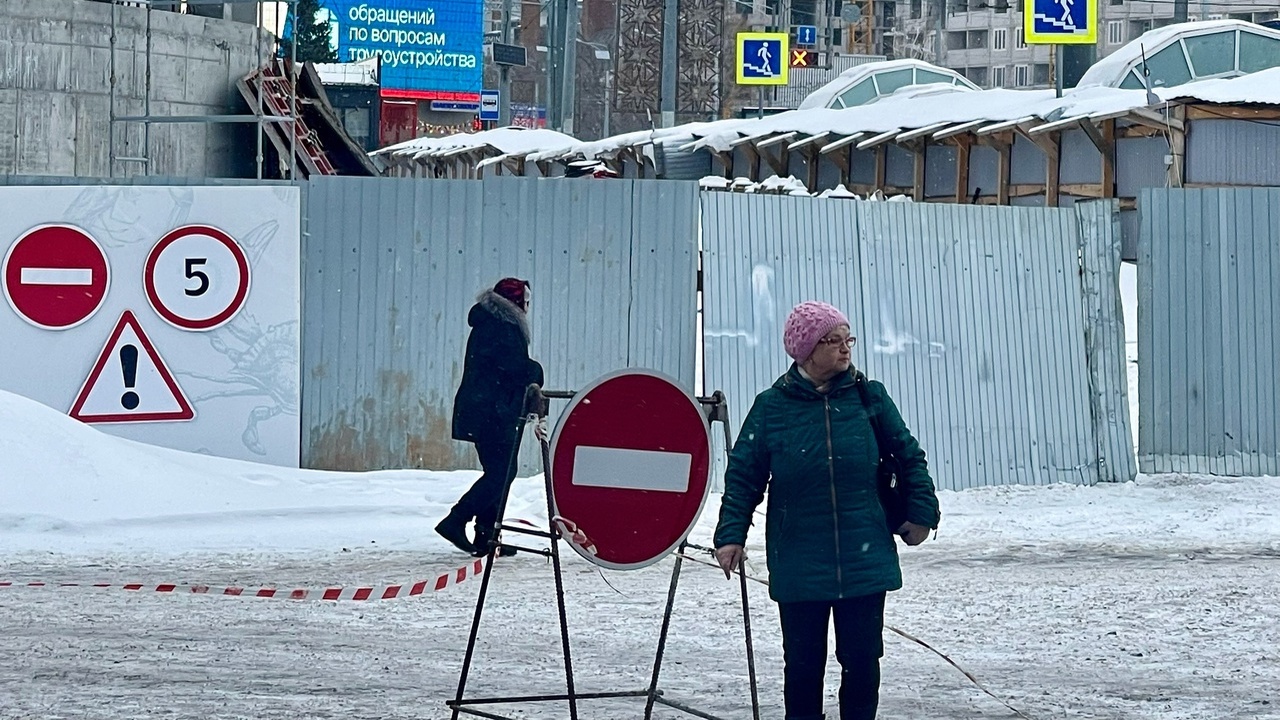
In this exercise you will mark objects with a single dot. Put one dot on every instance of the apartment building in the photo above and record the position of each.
(983, 39)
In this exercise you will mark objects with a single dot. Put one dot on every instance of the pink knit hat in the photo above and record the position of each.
(808, 323)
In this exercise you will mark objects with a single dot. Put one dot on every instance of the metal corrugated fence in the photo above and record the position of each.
(973, 317)
(1209, 331)
(392, 265)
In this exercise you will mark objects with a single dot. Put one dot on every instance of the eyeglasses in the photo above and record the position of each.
(836, 342)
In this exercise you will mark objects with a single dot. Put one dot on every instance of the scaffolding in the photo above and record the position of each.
(259, 118)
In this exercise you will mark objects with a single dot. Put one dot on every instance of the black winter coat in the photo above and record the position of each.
(496, 371)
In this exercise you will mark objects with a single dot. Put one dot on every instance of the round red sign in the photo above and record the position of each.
(630, 465)
(56, 276)
(196, 277)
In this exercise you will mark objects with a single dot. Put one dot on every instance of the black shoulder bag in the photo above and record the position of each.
(890, 492)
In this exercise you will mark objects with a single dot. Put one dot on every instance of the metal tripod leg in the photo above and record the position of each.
(555, 561)
(662, 635)
(488, 570)
(475, 631)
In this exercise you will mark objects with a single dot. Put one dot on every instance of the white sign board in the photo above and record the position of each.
(194, 341)
(489, 101)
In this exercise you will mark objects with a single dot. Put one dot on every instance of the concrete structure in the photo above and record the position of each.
(55, 90)
(983, 38)
(354, 92)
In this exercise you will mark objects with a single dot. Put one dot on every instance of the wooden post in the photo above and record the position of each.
(882, 162)
(917, 178)
(753, 162)
(1178, 146)
(1109, 159)
(963, 144)
(726, 159)
(1005, 167)
(1053, 151)
(814, 155)
(846, 165)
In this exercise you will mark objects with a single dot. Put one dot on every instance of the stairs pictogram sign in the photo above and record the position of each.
(130, 382)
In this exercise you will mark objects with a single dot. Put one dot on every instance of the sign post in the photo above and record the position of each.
(506, 56)
(762, 60)
(1058, 23)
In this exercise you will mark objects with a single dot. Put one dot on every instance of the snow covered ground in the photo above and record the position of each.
(1155, 599)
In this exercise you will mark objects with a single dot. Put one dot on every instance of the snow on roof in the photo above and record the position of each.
(920, 108)
(610, 146)
(890, 113)
(364, 72)
(506, 141)
(915, 111)
(1110, 70)
(823, 96)
(1261, 88)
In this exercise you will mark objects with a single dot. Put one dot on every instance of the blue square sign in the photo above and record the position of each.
(806, 35)
(1061, 21)
(489, 105)
(762, 59)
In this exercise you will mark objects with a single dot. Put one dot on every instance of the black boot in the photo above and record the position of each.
(484, 536)
(454, 529)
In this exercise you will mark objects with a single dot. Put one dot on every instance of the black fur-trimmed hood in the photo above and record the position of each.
(502, 310)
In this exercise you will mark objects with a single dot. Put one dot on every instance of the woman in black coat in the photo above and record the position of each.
(490, 398)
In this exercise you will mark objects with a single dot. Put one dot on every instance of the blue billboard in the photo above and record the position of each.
(430, 49)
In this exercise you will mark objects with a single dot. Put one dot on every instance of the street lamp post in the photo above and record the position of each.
(602, 53)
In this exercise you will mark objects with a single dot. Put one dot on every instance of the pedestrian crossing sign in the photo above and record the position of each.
(1061, 22)
(762, 58)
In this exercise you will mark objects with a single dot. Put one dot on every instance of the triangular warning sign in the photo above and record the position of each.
(130, 382)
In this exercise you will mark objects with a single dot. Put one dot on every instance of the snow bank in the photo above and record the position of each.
(68, 488)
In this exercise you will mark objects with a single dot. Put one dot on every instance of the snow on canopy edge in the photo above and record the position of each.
(505, 140)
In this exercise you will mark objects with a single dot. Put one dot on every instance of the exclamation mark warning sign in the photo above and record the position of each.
(129, 364)
(130, 382)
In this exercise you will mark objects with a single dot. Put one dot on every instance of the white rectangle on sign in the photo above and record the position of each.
(56, 276)
(631, 469)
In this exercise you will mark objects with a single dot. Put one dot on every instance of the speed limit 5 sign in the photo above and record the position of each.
(197, 277)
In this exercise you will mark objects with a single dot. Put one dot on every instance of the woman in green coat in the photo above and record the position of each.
(815, 440)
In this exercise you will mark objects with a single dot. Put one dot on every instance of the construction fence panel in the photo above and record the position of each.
(973, 317)
(1209, 331)
(392, 266)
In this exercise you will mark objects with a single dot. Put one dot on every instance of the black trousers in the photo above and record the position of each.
(859, 647)
(482, 499)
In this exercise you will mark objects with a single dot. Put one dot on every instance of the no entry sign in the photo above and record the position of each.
(630, 464)
(56, 276)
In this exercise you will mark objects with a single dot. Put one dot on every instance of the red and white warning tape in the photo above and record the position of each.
(386, 592)
(570, 532)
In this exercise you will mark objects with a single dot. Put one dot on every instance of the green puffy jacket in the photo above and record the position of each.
(825, 530)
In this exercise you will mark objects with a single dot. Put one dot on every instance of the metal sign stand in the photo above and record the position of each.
(536, 405)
